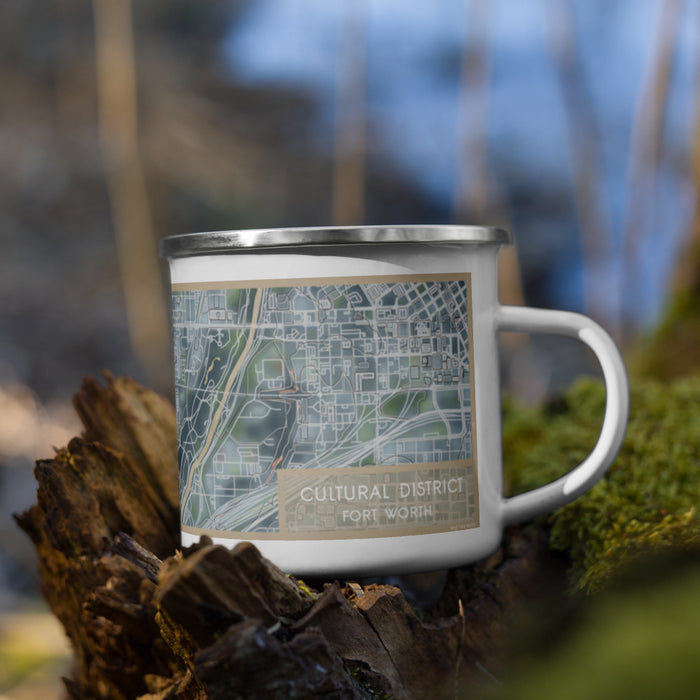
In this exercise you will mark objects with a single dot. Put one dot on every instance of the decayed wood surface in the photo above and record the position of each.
(147, 620)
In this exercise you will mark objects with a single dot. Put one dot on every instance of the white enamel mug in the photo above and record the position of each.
(338, 396)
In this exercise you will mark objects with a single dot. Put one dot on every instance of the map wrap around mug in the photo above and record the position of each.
(338, 399)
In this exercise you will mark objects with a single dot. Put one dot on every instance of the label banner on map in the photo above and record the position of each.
(384, 501)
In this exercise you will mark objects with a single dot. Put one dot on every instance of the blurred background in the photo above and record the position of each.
(576, 123)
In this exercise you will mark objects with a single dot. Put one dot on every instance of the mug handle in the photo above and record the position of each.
(567, 488)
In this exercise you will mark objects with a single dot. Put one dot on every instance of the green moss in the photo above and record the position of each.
(648, 499)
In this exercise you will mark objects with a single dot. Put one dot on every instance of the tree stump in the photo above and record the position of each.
(147, 620)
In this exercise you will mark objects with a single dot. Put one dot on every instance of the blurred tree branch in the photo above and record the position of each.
(687, 273)
(673, 348)
(471, 197)
(476, 199)
(584, 138)
(350, 119)
(136, 244)
(646, 141)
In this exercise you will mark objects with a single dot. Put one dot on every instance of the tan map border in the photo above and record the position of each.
(359, 534)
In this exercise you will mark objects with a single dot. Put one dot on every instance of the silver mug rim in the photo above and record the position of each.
(219, 242)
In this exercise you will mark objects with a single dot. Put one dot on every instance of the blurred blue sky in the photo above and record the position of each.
(413, 102)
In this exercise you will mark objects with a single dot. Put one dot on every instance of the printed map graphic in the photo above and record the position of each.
(307, 376)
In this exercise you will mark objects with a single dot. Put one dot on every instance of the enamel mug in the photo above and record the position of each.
(338, 397)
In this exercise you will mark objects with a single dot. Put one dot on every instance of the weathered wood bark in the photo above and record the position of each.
(149, 621)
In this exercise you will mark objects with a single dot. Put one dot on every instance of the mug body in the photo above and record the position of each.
(337, 395)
